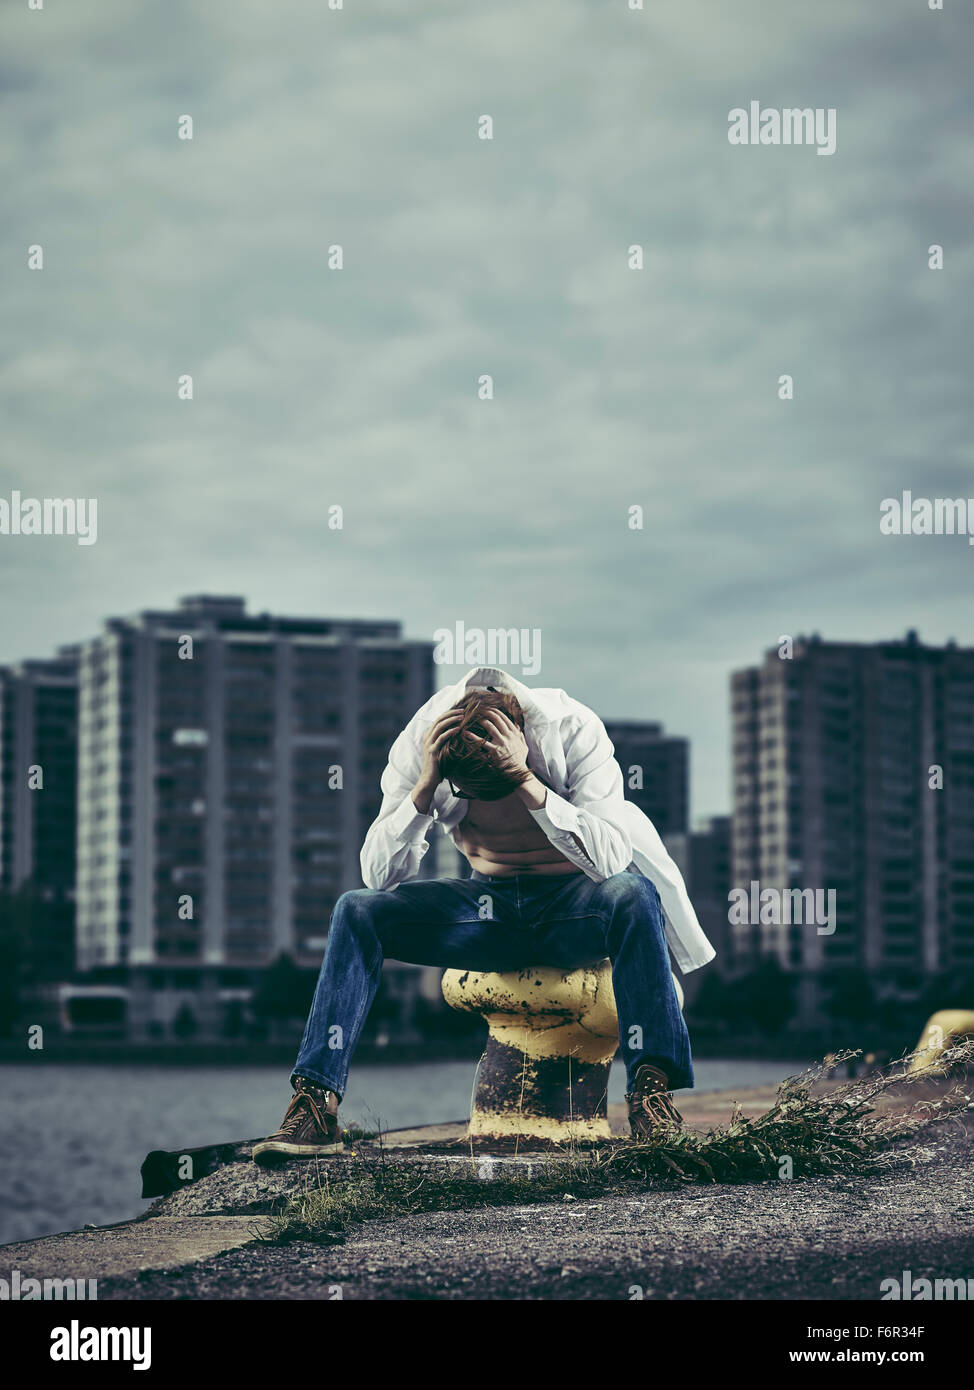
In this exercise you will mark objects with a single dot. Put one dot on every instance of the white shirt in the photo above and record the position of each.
(586, 816)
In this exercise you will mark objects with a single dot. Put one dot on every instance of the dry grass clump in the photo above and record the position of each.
(833, 1130)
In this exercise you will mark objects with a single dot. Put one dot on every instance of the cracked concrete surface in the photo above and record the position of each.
(819, 1238)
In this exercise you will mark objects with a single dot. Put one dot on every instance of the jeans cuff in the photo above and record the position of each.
(310, 1074)
(678, 1075)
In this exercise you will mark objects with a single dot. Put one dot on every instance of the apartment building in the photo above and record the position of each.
(38, 745)
(655, 771)
(228, 767)
(853, 768)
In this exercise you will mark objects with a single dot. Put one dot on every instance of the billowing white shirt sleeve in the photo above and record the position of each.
(396, 841)
(597, 831)
(591, 828)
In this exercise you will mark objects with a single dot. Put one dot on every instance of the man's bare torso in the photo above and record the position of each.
(502, 838)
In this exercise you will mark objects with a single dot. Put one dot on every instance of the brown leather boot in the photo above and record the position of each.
(650, 1106)
(309, 1128)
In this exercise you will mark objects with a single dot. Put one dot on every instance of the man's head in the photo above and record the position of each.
(464, 760)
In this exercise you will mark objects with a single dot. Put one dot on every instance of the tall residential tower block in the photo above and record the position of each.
(228, 769)
(853, 769)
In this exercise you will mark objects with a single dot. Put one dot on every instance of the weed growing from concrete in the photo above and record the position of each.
(835, 1130)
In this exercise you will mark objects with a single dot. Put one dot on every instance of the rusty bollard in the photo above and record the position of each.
(552, 1037)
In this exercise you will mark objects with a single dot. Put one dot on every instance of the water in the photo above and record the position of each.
(72, 1138)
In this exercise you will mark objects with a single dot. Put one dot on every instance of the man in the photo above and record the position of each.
(526, 784)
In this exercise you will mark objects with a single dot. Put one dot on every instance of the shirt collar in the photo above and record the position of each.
(487, 677)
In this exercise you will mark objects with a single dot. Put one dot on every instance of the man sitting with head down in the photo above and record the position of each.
(526, 784)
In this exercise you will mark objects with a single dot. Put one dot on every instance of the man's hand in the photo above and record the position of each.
(430, 776)
(507, 746)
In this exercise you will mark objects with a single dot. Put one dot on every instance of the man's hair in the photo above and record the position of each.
(464, 760)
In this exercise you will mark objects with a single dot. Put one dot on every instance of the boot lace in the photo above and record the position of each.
(659, 1107)
(653, 1099)
(301, 1101)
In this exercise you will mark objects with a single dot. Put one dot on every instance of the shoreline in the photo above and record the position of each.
(797, 1048)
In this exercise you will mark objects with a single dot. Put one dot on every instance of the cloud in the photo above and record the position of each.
(465, 257)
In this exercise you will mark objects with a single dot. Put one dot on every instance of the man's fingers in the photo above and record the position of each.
(498, 720)
(438, 744)
(505, 731)
(451, 717)
(441, 734)
(446, 723)
(500, 727)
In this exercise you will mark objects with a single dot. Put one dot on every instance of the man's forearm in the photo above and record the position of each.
(533, 792)
(422, 797)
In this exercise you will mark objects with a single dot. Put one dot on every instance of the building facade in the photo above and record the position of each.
(655, 771)
(704, 858)
(853, 769)
(38, 753)
(228, 768)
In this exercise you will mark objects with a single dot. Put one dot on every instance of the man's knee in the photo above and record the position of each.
(355, 908)
(628, 890)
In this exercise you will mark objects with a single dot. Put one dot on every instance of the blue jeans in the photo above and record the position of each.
(561, 920)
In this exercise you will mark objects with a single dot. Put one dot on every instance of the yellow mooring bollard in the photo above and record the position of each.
(552, 1036)
(943, 1029)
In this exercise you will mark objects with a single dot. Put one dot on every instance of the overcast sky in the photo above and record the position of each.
(613, 387)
